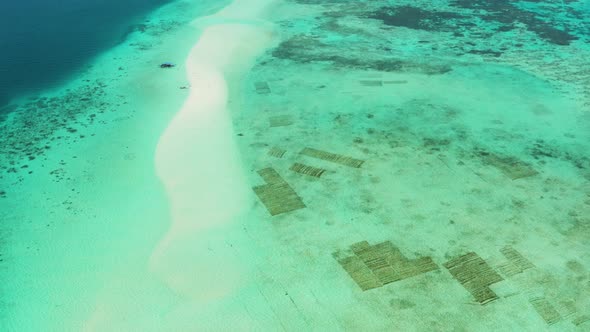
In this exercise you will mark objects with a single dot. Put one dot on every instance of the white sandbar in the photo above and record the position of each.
(198, 162)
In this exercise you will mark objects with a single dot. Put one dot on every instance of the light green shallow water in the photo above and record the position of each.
(472, 123)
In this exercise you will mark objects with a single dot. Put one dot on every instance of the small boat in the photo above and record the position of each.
(167, 65)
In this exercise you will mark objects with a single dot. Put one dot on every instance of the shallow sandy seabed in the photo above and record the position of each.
(341, 166)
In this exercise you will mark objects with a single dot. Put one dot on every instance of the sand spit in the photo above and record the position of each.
(198, 162)
(193, 268)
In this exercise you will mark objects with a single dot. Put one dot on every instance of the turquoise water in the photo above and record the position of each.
(374, 165)
(44, 43)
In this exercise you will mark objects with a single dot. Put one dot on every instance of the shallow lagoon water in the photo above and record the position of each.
(414, 166)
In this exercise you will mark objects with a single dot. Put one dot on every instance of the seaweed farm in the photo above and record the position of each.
(308, 165)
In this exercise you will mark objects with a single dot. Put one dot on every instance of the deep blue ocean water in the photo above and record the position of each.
(44, 42)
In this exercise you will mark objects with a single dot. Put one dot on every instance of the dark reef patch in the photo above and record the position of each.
(30, 130)
(306, 49)
(507, 14)
(416, 18)
(541, 149)
(436, 129)
(298, 48)
(486, 52)
(359, 34)
(324, 2)
(501, 15)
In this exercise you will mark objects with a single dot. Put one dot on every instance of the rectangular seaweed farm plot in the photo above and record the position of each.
(279, 199)
(276, 152)
(581, 320)
(277, 195)
(332, 157)
(415, 267)
(516, 259)
(389, 264)
(307, 170)
(280, 121)
(395, 82)
(546, 310)
(405, 268)
(377, 258)
(510, 166)
(270, 176)
(475, 275)
(359, 272)
(262, 88)
(371, 82)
